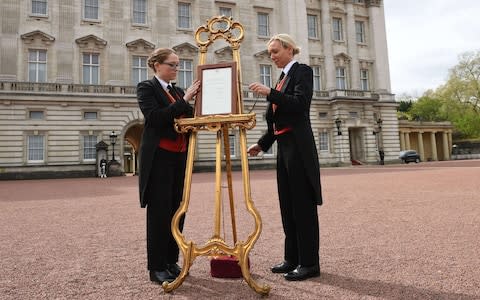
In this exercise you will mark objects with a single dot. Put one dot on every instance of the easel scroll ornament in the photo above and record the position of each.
(232, 32)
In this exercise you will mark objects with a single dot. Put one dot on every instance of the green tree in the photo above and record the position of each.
(427, 109)
(457, 101)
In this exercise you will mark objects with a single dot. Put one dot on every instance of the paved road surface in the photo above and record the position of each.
(387, 232)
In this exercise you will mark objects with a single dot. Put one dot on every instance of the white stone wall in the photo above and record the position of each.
(118, 110)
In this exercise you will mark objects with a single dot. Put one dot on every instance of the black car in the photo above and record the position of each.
(409, 156)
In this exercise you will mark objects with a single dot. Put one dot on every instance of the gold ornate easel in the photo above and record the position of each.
(233, 33)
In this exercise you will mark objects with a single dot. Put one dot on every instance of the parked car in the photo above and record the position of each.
(409, 156)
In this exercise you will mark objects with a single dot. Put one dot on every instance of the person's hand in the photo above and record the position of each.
(192, 91)
(259, 88)
(254, 149)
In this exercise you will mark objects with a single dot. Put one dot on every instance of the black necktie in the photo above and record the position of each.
(172, 92)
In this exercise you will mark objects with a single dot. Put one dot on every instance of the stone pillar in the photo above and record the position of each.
(352, 48)
(407, 140)
(379, 45)
(327, 46)
(402, 140)
(420, 146)
(446, 152)
(434, 146)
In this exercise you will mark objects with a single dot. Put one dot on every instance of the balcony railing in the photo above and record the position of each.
(16, 86)
(48, 87)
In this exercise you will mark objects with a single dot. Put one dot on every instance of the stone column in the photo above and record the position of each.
(352, 48)
(407, 140)
(378, 39)
(433, 142)
(420, 146)
(327, 46)
(402, 140)
(446, 152)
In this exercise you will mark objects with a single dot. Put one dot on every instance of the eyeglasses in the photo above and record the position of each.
(171, 65)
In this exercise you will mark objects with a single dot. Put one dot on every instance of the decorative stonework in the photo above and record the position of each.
(185, 49)
(365, 64)
(91, 42)
(342, 59)
(140, 45)
(262, 55)
(374, 2)
(37, 35)
(225, 53)
(317, 59)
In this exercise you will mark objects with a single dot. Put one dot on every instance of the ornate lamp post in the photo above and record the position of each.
(113, 140)
(338, 123)
(379, 141)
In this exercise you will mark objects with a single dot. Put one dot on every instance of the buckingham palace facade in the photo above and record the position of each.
(69, 69)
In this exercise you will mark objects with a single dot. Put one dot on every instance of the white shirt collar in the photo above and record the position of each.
(163, 83)
(288, 66)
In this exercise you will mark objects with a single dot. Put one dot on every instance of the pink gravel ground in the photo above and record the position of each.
(387, 232)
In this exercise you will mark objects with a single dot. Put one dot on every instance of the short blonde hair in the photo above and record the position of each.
(158, 55)
(286, 41)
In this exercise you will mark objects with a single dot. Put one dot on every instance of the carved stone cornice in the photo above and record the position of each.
(225, 53)
(262, 54)
(342, 58)
(91, 41)
(373, 3)
(30, 37)
(140, 44)
(185, 49)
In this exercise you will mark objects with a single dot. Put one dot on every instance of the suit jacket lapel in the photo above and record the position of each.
(289, 76)
(161, 95)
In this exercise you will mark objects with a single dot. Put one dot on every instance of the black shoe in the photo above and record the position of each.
(303, 272)
(174, 269)
(161, 276)
(283, 267)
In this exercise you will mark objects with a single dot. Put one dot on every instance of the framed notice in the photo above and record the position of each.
(218, 92)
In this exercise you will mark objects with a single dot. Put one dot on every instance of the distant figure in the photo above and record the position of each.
(382, 156)
(103, 168)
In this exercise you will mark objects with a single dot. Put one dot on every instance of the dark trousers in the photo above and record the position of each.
(164, 192)
(297, 204)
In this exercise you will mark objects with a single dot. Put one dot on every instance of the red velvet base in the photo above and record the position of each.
(226, 267)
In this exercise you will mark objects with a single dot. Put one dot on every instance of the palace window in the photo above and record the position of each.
(360, 31)
(140, 11)
(37, 65)
(317, 78)
(36, 148)
(263, 24)
(185, 73)
(266, 75)
(341, 78)
(312, 24)
(184, 15)
(337, 29)
(36, 115)
(139, 69)
(364, 86)
(39, 7)
(91, 9)
(323, 141)
(89, 147)
(91, 68)
(90, 115)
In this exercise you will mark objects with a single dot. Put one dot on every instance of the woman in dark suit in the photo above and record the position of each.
(162, 160)
(298, 171)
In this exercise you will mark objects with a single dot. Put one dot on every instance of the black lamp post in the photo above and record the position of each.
(338, 123)
(379, 141)
(379, 123)
(113, 140)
